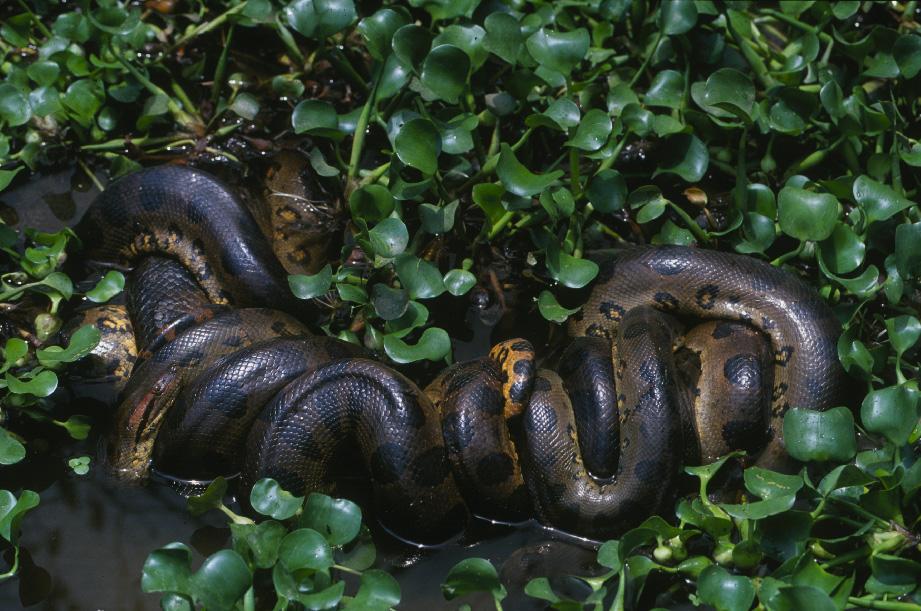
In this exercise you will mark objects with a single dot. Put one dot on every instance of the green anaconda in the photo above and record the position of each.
(222, 386)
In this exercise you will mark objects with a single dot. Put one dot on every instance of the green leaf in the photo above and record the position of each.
(551, 310)
(517, 179)
(107, 288)
(377, 31)
(724, 591)
(472, 575)
(316, 118)
(268, 498)
(305, 549)
(434, 345)
(44, 72)
(411, 44)
(14, 107)
(82, 342)
(806, 215)
(769, 484)
(84, 97)
(378, 591)
(568, 270)
(593, 131)
(907, 54)
(245, 105)
(891, 412)
(373, 203)
(221, 581)
(77, 426)
(438, 219)
(685, 155)
(212, 498)
(503, 36)
(43, 384)
(564, 113)
(389, 303)
(879, 201)
(168, 569)
(339, 520)
(11, 451)
(813, 435)
(467, 38)
(418, 145)
(318, 19)
(908, 250)
(444, 72)
(389, 238)
(607, 191)
(559, 51)
(893, 575)
(666, 89)
(308, 287)
(459, 281)
(731, 91)
(677, 17)
(261, 540)
(904, 332)
(843, 252)
(6, 177)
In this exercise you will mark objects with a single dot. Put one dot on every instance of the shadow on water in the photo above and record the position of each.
(84, 545)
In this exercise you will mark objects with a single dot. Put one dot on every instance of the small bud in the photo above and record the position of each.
(46, 325)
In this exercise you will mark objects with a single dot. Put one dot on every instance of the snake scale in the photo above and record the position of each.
(223, 385)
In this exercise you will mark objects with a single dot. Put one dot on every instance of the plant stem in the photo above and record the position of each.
(344, 68)
(221, 67)
(884, 605)
(793, 253)
(201, 29)
(477, 143)
(699, 233)
(358, 142)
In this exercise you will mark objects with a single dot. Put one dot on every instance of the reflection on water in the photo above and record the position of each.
(84, 545)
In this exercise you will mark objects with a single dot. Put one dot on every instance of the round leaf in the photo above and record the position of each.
(666, 89)
(377, 31)
(503, 36)
(806, 215)
(14, 107)
(444, 72)
(518, 179)
(318, 19)
(339, 520)
(559, 51)
(308, 287)
(459, 281)
(107, 288)
(221, 581)
(372, 203)
(378, 591)
(472, 575)
(305, 549)
(813, 435)
(11, 451)
(725, 592)
(685, 155)
(434, 345)
(732, 91)
(421, 277)
(316, 118)
(268, 498)
(891, 412)
(389, 238)
(677, 17)
(593, 131)
(842, 252)
(879, 201)
(167, 570)
(418, 144)
(411, 45)
(608, 191)
(389, 303)
(551, 309)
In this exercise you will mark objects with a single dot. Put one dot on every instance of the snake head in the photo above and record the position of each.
(137, 424)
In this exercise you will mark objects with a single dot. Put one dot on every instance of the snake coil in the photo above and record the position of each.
(222, 385)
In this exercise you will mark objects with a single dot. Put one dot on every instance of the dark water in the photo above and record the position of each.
(84, 545)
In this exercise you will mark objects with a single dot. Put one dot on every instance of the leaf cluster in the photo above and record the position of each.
(288, 561)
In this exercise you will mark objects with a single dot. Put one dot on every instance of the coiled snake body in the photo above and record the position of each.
(222, 386)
